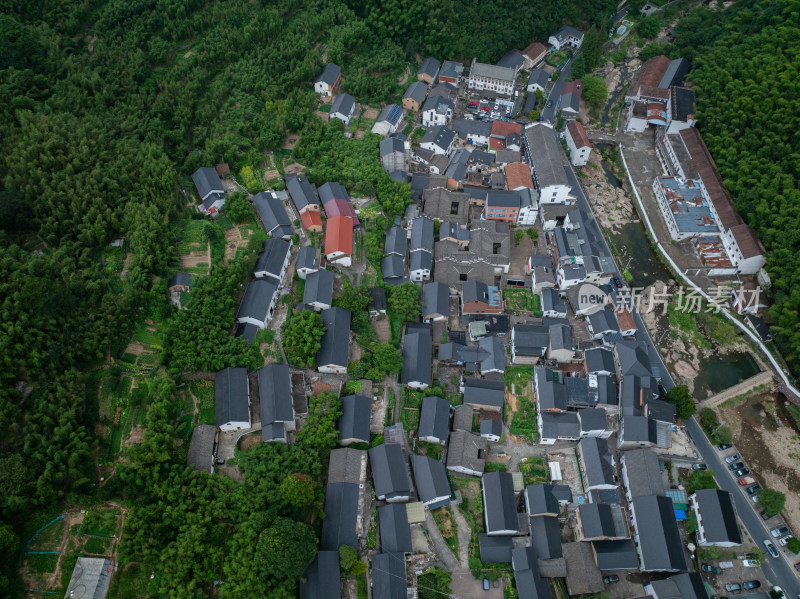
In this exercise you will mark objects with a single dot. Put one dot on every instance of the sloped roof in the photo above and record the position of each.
(451, 69)
(534, 50)
(430, 478)
(643, 472)
(491, 71)
(302, 191)
(333, 190)
(496, 358)
(719, 516)
(393, 269)
(329, 74)
(499, 507)
(355, 418)
(417, 357)
(272, 257)
(435, 299)
(421, 234)
(598, 359)
(257, 298)
(389, 576)
(345, 465)
(275, 394)
(439, 135)
(597, 460)
(650, 73)
(335, 343)
(539, 77)
(578, 134)
(343, 104)
(201, 448)
(391, 114)
(321, 577)
(391, 145)
(389, 474)
(341, 516)
(319, 287)
(546, 536)
(91, 578)
(416, 91)
(465, 449)
(272, 214)
(530, 339)
(339, 235)
(311, 218)
(512, 60)
(307, 257)
(207, 181)
(396, 241)
(484, 392)
(518, 175)
(495, 550)
(560, 425)
(599, 520)
(615, 554)
(551, 395)
(395, 531)
(434, 418)
(430, 66)
(545, 156)
(660, 543)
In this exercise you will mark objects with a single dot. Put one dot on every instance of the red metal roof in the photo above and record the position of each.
(311, 218)
(339, 235)
(340, 207)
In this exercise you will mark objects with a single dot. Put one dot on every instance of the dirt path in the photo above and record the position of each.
(136, 348)
(233, 239)
(195, 258)
(464, 535)
(404, 78)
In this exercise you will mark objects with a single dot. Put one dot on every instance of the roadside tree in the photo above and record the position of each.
(771, 501)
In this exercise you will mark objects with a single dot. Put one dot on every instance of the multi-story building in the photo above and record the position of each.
(491, 78)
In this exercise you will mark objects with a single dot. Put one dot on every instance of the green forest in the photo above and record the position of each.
(746, 73)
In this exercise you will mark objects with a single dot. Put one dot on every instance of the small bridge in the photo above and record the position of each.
(762, 378)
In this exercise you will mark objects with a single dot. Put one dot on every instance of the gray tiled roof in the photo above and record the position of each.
(560, 425)
(500, 511)
(318, 582)
(345, 465)
(430, 66)
(355, 418)
(546, 536)
(719, 516)
(395, 531)
(491, 71)
(496, 359)
(495, 550)
(599, 521)
(451, 69)
(302, 191)
(491, 427)
(389, 576)
(616, 555)
(597, 461)
(551, 300)
(329, 73)
(540, 499)
(275, 394)
(468, 127)
(206, 180)
(592, 419)
(430, 478)
(599, 359)
(511, 60)
(307, 257)
(643, 472)
(257, 298)
(335, 344)
(393, 269)
(416, 91)
(552, 395)
(420, 260)
(539, 77)
(396, 241)
(434, 418)
(319, 287)
(344, 104)
(389, 473)
(332, 190)
(417, 357)
(440, 136)
(561, 337)
(421, 234)
(660, 543)
(435, 300)
(484, 392)
(341, 516)
(545, 154)
(530, 340)
(272, 257)
(272, 214)
(390, 145)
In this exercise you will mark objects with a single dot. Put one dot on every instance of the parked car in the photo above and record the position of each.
(724, 446)
(610, 579)
(741, 472)
(735, 466)
(765, 515)
(753, 489)
(773, 551)
(732, 458)
(485, 584)
(754, 499)
(751, 563)
(549, 104)
(783, 540)
(750, 585)
(709, 568)
(617, 282)
(747, 480)
(733, 587)
(781, 530)
(699, 467)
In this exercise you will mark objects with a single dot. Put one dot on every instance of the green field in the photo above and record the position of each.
(204, 392)
(100, 523)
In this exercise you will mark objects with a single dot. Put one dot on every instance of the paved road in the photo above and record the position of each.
(778, 571)
(548, 114)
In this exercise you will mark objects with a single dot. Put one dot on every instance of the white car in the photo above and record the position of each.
(782, 541)
(751, 563)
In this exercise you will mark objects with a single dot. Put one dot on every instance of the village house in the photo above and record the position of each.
(434, 302)
(544, 153)
(307, 261)
(486, 257)
(466, 453)
(451, 72)
(538, 81)
(334, 352)
(339, 240)
(534, 54)
(431, 481)
(528, 343)
(232, 399)
(209, 188)
(273, 259)
(395, 154)
(499, 504)
(434, 420)
(395, 529)
(472, 131)
(390, 120)
(417, 359)
(570, 100)
(479, 298)
(258, 303)
(179, 283)
(277, 407)
(389, 473)
(328, 81)
(303, 193)
(438, 140)
(658, 540)
(316, 581)
(414, 96)
(577, 143)
(354, 422)
(343, 107)
(318, 290)
(492, 78)
(344, 493)
(428, 70)
(566, 37)
(437, 110)
(272, 214)
(716, 518)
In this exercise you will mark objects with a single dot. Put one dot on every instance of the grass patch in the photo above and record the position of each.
(686, 322)
(100, 523)
(432, 450)
(206, 401)
(523, 423)
(396, 325)
(410, 419)
(133, 581)
(41, 564)
(494, 467)
(534, 471)
(98, 546)
(50, 538)
(519, 376)
(556, 58)
(447, 526)
(521, 300)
